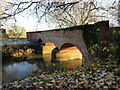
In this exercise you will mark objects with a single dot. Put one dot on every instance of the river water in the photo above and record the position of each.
(18, 70)
(15, 42)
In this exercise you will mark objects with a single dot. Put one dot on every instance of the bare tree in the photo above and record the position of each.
(44, 6)
(16, 31)
(79, 14)
(75, 12)
(86, 11)
(4, 8)
(119, 12)
(1, 10)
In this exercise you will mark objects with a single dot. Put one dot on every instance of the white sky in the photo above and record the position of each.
(30, 24)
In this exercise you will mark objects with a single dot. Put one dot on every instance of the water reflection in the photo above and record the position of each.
(17, 71)
(13, 71)
(70, 64)
(47, 59)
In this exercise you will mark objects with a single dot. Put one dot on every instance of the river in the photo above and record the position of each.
(14, 42)
(18, 70)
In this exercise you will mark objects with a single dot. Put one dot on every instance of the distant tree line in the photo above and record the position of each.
(14, 31)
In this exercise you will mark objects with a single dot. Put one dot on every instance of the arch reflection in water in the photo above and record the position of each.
(69, 52)
(72, 64)
(47, 58)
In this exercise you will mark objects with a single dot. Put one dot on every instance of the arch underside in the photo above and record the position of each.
(69, 51)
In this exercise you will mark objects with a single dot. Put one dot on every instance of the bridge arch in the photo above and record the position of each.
(50, 43)
(67, 45)
(40, 41)
(49, 46)
(69, 51)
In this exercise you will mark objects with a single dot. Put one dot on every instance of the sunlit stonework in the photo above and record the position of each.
(69, 53)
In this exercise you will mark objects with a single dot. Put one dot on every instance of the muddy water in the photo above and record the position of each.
(17, 70)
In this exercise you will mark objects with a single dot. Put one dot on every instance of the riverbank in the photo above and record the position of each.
(20, 51)
(104, 75)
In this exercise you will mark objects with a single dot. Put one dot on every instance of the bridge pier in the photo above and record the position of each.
(47, 49)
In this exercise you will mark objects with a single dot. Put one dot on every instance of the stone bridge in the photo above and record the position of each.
(65, 38)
